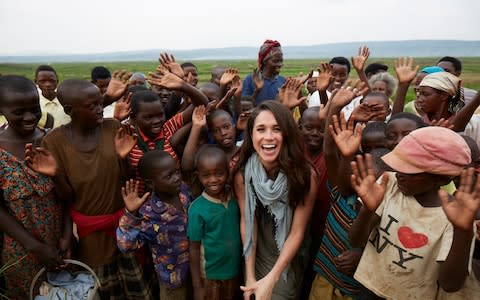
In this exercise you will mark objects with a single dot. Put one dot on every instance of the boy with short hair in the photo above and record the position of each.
(47, 80)
(90, 154)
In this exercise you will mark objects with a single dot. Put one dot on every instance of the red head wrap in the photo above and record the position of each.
(265, 50)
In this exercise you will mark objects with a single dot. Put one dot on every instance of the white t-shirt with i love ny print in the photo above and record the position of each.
(402, 255)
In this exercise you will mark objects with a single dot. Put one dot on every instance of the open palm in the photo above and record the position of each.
(346, 136)
(130, 196)
(462, 209)
(40, 160)
(364, 182)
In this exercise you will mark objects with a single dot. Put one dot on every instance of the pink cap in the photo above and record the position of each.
(434, 150)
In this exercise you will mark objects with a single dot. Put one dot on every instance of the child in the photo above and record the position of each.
(31, 215)
(399, 126)
(47, 80)
(411, 244)
(160, 221)
(214, 226)
(373, 136)
(312, 128)
(189, 69)
(91, 155)
(148, 115)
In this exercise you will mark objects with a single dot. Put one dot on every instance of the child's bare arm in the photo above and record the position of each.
(197, 281)
(9, 225)
(116, 87)
(461, 213)
(347, 137)
(371, 193)
(405, 74)
(170, 81)
(358, 63)
(198, 122)
(465, 114)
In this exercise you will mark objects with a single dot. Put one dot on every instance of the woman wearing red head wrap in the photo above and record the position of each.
(265, 81)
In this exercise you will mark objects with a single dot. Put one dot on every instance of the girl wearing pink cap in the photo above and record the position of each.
(416, 238)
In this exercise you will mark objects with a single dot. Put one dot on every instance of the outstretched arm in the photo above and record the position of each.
(461, 213)
(170, 81)
(405, 74)
(359, 61)
(465, 114)
(198, 122)
(371, 193)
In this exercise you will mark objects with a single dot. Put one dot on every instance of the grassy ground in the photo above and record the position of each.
(470, 73)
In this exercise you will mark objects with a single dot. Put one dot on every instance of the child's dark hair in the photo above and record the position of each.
(405, 115)
(378, 94)
(15, 84)
(68, 90)
(457, 64)
(210, 151)
(340, 60)
(216, 113)
(147, 162)
(142, 96)
(375, 126)
(45, 68)
(100, 72)
(187, 64)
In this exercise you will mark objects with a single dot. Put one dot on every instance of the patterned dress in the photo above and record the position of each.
(29, 197)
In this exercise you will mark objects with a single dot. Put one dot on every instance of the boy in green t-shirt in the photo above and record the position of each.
(214, 225)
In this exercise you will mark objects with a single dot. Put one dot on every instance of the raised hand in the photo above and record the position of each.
(364, 183)
(358, 61)
(199, 117)
(289, 93)
(122, 108)
(366, 112)
(125, 140)
(344, 95)
(403, 69)
(462, 209)
(325, 77)
(238, 84)
(346, 135)
(257, 79)
(118, 84)
(228, 76)
(225, 98)
(40, 160)
(242, 120)
(166, 79)
(169, 63)
(130, 196)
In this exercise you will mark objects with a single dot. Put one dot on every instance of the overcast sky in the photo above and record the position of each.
(86, 26)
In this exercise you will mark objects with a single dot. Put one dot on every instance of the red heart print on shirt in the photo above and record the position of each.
(410, 239)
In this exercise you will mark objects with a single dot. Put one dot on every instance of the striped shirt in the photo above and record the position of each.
(169, 128)
(335, 241)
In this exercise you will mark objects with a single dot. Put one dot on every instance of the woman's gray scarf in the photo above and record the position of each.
(273, 194)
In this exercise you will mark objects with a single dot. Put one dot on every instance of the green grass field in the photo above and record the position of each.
(470, 74)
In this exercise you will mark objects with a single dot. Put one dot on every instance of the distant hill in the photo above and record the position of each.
(423, 48)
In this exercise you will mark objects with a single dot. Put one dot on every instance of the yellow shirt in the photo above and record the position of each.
(54, 108)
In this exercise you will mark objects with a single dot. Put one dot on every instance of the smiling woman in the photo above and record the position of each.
(275, 187)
